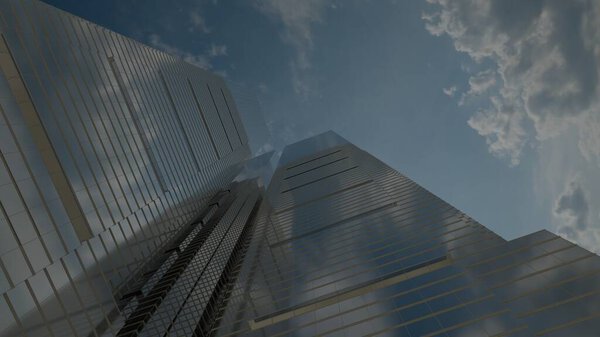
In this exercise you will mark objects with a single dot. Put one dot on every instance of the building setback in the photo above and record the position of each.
(129, 206)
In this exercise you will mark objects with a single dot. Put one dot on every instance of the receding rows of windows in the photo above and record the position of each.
(312, 160)
(412, 205)
(311, 320)
(379, 251)
(319, 179)
(350, 292)
(293, 270)
(192, 290)
(423, 315)
(329, 195)
(94, 205)
(352, 267)
(315, 168)
(405, 299)
(76, 94)
(322, 188)
(313, 221)
(306, 255)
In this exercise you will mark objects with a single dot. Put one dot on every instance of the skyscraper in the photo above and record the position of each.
(109, 151)
(130, 207)
(346, 246)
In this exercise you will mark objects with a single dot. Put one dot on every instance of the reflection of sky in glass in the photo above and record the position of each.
(119, 115)
(125, 128)
(309, 146)
(261, 166)
(343, 220)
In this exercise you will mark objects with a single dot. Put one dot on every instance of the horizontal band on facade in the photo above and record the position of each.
(351, 292)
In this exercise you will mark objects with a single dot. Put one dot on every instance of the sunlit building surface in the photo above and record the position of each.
(130, 207)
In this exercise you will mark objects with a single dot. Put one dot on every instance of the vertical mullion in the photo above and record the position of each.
(219, 115)
(212, 141)
(231, 116)
(178, 119)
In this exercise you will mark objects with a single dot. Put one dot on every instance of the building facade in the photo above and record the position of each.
(129, 206)
(109, 150)
(346, 246)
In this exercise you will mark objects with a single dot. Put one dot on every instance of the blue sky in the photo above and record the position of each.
(492, 105)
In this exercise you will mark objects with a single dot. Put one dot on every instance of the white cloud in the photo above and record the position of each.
(298, 19)
(266, 147)
(573, 204)
(202, 60)
(222, 73)
(450, 91)
(197, 23)
(217, 50)
(199, 60)
(479, 84)
(542, 88)
(572, 207)
(502, 128)
(590, 146)
(546, 53)
(263, 88)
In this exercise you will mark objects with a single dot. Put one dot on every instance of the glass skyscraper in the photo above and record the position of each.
(109, 152)
(129, 206)
(346, 246)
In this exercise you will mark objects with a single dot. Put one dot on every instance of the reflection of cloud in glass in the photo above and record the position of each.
(121, 146)
(342, 221)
